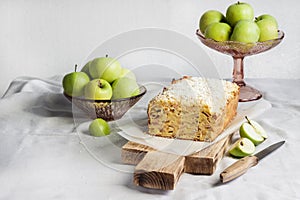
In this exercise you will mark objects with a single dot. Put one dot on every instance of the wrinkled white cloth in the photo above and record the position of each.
(45, 152)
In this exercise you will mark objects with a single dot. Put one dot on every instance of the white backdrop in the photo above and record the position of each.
(46, 38)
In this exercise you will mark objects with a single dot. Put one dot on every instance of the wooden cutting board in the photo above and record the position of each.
(160, 170)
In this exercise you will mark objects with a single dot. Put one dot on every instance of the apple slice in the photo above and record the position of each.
(258, 128)
(242, 147)
(248, 131)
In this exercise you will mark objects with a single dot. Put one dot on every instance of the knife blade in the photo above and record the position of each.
(241, 166)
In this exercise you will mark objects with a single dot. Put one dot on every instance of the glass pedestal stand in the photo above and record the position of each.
(239, 51)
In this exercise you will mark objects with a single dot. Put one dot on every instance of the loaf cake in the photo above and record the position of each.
(193, 108)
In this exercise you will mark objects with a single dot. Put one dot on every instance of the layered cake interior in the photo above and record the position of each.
(193, 108)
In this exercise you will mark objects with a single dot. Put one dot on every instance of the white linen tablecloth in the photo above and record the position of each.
(42, 156)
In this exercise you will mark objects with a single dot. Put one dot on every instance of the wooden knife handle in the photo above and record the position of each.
(238, 168)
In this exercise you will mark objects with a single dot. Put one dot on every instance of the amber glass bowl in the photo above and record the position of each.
(108, 110)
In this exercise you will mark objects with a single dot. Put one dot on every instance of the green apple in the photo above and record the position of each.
(242, 147)
(98, 89)
(218, 31)
(245, 31)
(127, 73)
(74, 83)
(99, 127)
(267, 16)
(125, 87)
(268, 30)
(239, 11)
(106, 68)
(85, 68)
(209, 17)
(248, 131)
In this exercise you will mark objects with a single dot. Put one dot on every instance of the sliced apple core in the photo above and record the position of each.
(247, 146)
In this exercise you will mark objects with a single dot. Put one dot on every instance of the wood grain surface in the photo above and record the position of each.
(160, 170)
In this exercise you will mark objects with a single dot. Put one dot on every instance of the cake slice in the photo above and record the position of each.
(193, 108)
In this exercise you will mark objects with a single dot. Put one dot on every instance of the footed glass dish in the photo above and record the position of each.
(239, 51)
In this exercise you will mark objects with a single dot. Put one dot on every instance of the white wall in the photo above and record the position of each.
(43, 38)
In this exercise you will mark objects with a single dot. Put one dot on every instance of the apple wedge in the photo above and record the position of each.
(258, 128)
(242, 147)
(248, 131)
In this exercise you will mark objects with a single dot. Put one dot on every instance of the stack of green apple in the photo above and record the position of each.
(102, 78)
(238, 24)
(251, 135)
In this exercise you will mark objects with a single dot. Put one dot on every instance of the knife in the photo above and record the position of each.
(241, 166)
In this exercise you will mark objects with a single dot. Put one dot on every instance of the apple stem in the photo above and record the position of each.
(75, 67)
(238, 2)
(248, 120)
(106, 56)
